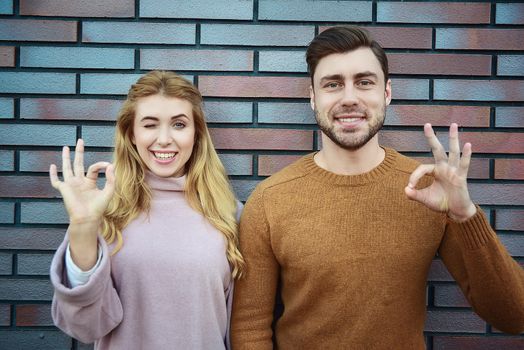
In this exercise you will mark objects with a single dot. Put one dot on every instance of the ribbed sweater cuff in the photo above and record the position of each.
(474, 232)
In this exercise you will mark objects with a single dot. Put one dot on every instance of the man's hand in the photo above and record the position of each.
(449, 191)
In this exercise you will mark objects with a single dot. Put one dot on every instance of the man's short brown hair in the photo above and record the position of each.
(340, 40)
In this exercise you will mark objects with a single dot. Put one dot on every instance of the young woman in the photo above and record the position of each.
(148, 261)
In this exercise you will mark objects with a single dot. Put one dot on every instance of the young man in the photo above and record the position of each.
(350, 231)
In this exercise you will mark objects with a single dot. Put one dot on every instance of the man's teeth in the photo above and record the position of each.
(348, 120)
(164, 155)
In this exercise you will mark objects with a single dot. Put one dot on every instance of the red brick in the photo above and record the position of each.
(262, 139)
(439, 64)
(33, 315)
(437, 115)
(511, 169)
(448, 295)
(5, 315)
(478, 168)
(441, 12)
(37, 30)
(494, 142)
(39, 161)
(248, 86)
(78, 8)
(509, 219)
(7, 56)
(27, 186)
(454, 322)
(270, 164)
(479, 39)
(477, 343)
(398, 37)
(439, 272)
(69, 109)
(31, 238)
(497, 194)
(404, 141)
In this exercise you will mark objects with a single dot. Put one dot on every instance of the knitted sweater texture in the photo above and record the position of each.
(352, 256)
(169, 287)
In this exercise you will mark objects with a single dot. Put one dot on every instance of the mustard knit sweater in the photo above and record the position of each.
(352, 254)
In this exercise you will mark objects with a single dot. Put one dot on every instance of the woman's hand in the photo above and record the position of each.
(84, 201)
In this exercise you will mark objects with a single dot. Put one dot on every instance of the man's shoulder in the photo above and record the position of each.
(404, 163)
(287, 175)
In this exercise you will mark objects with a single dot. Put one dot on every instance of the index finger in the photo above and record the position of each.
(439, 153)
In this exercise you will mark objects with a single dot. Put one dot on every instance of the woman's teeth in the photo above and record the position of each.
(164, 155)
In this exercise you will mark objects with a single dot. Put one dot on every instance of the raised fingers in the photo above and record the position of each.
(436, 147)
(66, 163)
(454, 146)
(53, 176)
(78, 162)
(465, 160)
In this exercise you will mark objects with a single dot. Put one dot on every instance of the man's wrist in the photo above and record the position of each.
(466, 215)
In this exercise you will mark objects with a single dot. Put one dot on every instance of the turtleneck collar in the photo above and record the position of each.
(351, 180)
(165, 185)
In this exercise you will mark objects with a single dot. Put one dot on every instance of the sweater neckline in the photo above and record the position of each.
(375, 174)
(165, 184)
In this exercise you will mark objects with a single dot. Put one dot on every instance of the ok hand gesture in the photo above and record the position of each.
(84, 201)
(449, 191)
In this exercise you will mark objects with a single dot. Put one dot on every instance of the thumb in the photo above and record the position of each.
(414, 194)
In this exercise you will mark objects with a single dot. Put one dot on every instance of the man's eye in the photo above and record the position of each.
(332, 85)
(365, 83)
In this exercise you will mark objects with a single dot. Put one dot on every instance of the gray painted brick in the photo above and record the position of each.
(139, 33)
(509, 117)
(228, 112)
(282, 61)
(39, 161)
(7, 213)
(46, 83)
(237, 164)
(327, 10)
(7, 159)
(25, 289)
(256, 35)
(77, 57)
(34, 264)
(285, 113)
(510, 13)
(98, 136)
(211, 60)
(7, 108)
(510, 65)
(243, 188)
(110, 84)
(6, 7)
(41, 135)
(410, 89)
(43, 213)
(34, 339)
(6, 264)
(5, 315)
(513, 243)
(207, 9)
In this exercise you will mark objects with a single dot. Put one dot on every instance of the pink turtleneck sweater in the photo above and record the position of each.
(170, 285)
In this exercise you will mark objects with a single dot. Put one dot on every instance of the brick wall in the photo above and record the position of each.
(65, 66)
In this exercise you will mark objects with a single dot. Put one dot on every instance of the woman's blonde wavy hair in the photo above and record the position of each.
(207, 188)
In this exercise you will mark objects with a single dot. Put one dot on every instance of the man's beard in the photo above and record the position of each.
(347, 138)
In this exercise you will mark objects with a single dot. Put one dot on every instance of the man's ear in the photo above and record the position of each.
(387, 92)
(311, 97)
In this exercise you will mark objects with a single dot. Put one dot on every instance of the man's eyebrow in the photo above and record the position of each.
(366, 74)
(151, 118)
(331, 77)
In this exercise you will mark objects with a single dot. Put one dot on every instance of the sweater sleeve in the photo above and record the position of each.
(90, 311)
(254, 296)
(490, 279)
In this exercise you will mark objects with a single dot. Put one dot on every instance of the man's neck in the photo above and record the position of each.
(341, 161)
